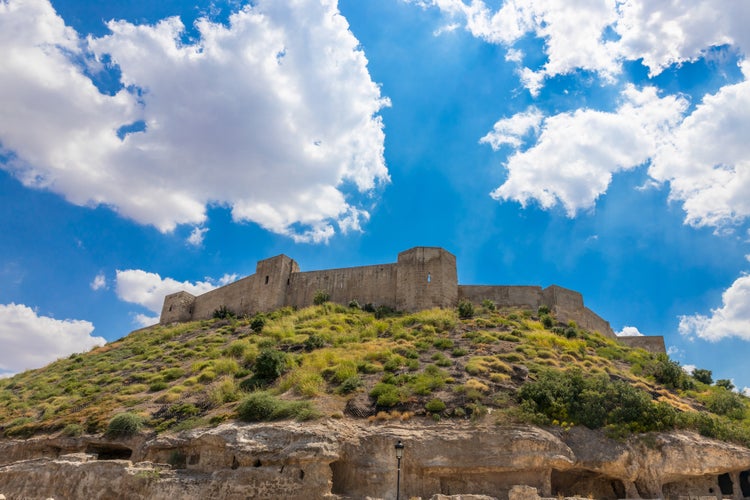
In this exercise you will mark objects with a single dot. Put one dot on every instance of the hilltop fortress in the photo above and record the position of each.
(422, 278)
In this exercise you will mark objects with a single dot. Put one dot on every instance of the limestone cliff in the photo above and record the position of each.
(354, 459)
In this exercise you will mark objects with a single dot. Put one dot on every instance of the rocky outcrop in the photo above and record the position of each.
(355, 459)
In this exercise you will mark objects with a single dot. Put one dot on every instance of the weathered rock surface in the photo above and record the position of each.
(356, 459)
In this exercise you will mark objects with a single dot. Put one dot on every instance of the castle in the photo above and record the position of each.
(422, 278)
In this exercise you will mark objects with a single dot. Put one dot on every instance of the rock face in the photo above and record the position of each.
(354, 459)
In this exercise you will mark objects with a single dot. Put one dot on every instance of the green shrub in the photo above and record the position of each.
(386, 394)
(488, 304)
(703, 375)
(72, 430)
(314, 341)
(270, 364)
(124, 424)
(542, 310)
(435, 406)
(725, 383)
(353, 304)
(321, 297)
(351, 384)
(465, 309)
(258, 323)
(223, 312)
(263, 407)
(547, 321)
(670, 373)
(724, 402)
(443, 343)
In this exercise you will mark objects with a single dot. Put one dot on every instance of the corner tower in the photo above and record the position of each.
(426, 278)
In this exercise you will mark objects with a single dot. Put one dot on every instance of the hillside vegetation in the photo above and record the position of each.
(330, 361)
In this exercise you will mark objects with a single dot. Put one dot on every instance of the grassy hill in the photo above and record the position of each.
(330, 361)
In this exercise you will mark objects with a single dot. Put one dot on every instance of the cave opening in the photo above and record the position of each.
(584, 483)
(725, 484)
(745, 483)
(109, 452)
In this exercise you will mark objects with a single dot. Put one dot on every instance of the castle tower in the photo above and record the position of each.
(272, 279)
(426, 278)
(177, 307)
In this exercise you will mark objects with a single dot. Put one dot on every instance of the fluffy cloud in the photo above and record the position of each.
(596, 35)
(31, 341)
(576, 153)
(732, 319)
(629, 331)
(273, 115)
(707, 159)
(148, 289)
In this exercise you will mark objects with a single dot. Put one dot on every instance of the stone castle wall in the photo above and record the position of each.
(422, 278)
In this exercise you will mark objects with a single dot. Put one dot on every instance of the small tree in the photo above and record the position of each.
(703, 375)
(725, 383)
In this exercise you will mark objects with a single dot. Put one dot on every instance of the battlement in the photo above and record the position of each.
(421, 278)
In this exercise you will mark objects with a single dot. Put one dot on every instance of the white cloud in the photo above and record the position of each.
(576, 33)
(196, 236)
(273, 115)
(144, 320)
(707, 159)
(99, 282)
(689, 369)
(746, 391)
(148, 289)
(511, 131)
(576, 153)
(31, 341)
(629, 331)
(732, 319)
(674, 351)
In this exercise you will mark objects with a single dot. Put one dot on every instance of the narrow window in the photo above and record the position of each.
(266, 280)
(170, 308)
(429, 278)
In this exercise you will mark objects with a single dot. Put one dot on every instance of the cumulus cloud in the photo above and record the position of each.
(732, 319)
(597, 36)
(629, 331)
(706, 161)
(689, 369)
(576, 154)
(148, 289)
(99, 282)
(31, 341)
(273, 115)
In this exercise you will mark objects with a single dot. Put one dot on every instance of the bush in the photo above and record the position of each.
(465, 309)
(488, 304)
(124, 424)
(725, 383)
(595, 402)
(547, 321)
(703, 375)
(386, 394)
(321, 297)
(670, 373)
(263, 407)
(270, 364)
(257, 324)
(542, 310)
(353, 304)
(223, 312)
(314, 341)
(435, 406)
(724, 402)
(73, 430)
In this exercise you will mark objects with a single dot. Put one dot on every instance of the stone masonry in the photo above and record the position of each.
(422, 278)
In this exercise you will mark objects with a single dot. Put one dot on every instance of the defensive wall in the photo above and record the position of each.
(421, 278)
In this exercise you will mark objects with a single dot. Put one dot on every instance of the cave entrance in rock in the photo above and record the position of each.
(745, 483)
(584, 483)
(340, 476)
(725, 484)
(109, 452)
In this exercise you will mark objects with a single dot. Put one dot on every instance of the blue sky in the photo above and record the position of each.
(147, 147)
